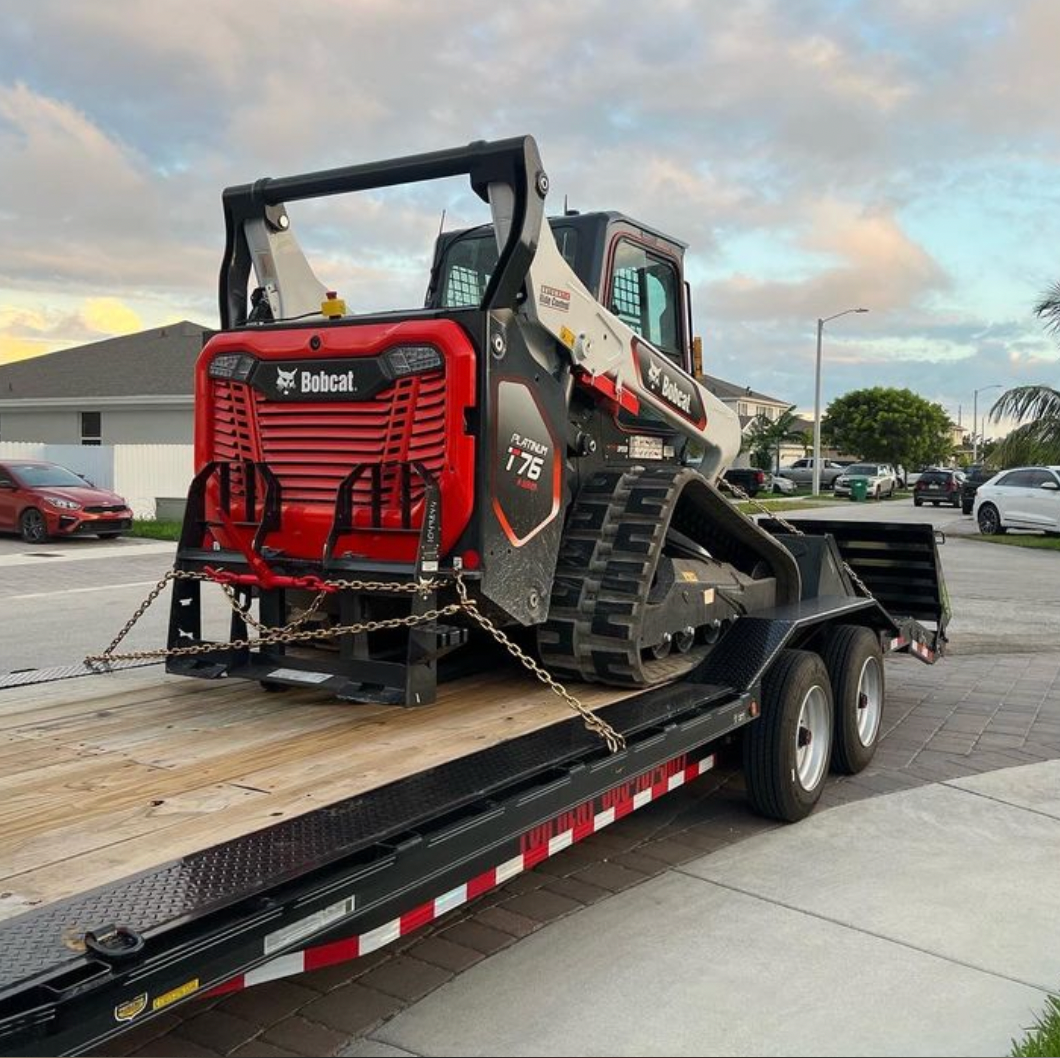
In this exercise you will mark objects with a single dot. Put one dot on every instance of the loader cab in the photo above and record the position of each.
(635, 271)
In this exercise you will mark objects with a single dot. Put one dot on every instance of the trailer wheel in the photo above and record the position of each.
(787, 749)
(854, 661)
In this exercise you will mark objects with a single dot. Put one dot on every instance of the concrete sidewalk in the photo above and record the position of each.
(922, 922)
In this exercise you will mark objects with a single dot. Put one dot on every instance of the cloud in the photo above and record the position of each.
(32, 332)
(81, 206)
(812, 152)
(873, 263)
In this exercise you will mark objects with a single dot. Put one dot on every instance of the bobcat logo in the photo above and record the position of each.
(285, 379)
(654, 373)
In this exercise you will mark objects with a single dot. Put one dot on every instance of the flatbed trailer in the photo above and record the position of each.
(163, 839)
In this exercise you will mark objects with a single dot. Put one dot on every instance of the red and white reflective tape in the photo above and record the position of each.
(623, 802)
(922, 650)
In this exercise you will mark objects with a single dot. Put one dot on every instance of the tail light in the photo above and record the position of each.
(760, 478)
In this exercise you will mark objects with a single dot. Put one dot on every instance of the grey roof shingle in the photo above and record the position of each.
(160, 362)
(729, 391)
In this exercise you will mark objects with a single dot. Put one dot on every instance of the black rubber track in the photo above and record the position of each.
(611, 546)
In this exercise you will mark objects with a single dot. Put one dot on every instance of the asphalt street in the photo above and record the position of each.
(65, 599)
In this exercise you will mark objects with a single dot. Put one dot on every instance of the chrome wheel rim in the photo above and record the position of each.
(812, 738)
(869, 701)
(987, 520)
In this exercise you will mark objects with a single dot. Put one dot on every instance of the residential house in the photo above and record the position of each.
(136, 389)
(749, 404)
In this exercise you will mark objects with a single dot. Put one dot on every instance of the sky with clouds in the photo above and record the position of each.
(815, 154)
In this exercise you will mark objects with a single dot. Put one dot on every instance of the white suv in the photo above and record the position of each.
(1023, 498)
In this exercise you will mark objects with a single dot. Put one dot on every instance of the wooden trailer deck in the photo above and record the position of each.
(101, 777)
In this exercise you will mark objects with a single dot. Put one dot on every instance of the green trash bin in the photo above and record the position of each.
(859, 488)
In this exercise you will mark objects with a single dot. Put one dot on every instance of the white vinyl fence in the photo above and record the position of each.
(143, 474)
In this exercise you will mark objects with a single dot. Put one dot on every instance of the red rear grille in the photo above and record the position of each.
(311, 447)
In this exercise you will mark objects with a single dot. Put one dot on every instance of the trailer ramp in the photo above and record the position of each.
(899, 564)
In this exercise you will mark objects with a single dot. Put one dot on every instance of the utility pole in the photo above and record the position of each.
(975, 418)
(817, 400)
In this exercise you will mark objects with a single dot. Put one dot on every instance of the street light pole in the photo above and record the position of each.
(975, 418)
(817, 400)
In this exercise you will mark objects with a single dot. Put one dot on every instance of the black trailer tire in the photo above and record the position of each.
(787, 749)
(854, 661)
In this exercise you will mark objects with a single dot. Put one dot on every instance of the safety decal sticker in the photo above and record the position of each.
(131, 1008)
(554, 298)
(175, 994)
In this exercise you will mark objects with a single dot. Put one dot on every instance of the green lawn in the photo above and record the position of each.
(804, 500)
(1042, 543)
(1044, 1039)
(155, 530)
(775, 503)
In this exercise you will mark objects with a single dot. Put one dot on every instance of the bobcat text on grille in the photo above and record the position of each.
(326, 382)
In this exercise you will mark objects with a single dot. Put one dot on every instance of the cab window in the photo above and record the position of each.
(645, 296)
(472, 256)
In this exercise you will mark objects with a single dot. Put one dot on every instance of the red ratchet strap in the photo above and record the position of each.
(262, 575)
(268, 579)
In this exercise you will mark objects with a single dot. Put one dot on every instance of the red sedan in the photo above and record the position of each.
(39, 500)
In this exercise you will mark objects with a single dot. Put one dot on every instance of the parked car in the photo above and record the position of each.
(783, 486)
(39, 500)
(938, 486)
(882, 481)
(973, 478)
(801, 472)
(750, 479)
(913, 476)
(1022, 498)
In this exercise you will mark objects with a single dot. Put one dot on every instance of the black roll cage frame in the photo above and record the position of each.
(514, 162)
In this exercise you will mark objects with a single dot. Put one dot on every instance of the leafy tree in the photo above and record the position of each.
(1037, 440)
(1036, 408)
(889, 425)
(765, 437)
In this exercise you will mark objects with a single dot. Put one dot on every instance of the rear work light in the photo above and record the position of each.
(407, 360)
(234, 366)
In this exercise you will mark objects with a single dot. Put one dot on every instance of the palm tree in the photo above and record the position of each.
(1036, 408)
(765, 437)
